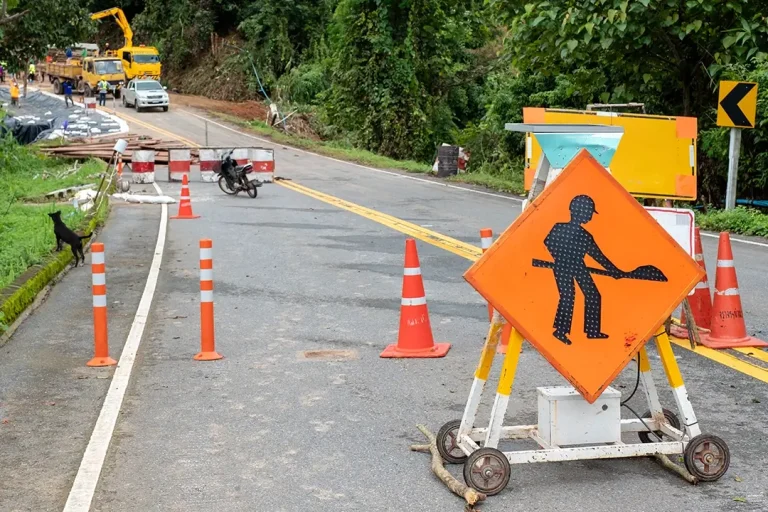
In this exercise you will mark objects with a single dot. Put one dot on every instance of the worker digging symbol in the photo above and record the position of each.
(569, 243)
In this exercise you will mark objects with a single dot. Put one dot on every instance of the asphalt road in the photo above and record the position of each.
(267, 428)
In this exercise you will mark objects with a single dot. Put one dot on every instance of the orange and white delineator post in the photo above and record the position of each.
(207, 337)
(100, 331)
(486, 240)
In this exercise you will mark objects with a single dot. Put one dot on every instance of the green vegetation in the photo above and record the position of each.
(400, 77)
(744, 221)
(26, 233)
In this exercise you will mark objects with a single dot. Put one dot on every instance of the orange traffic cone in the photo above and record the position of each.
(415, 336)
(727, 326)
(700, 300)
(185, 205)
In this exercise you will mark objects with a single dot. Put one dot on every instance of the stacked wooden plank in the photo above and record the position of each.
(102, 148)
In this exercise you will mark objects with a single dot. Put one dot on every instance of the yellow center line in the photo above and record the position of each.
(472, 253)
(457, 247)
(760, 355)
(726, 359)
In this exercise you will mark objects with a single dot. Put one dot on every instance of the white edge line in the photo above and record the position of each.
(750, 242)
(465, 189)
(123, 124)
(397, 174)
(84, 486)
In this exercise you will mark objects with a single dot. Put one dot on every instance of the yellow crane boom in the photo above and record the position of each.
(121, 20)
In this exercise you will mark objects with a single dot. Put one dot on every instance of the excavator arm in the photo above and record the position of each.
(122, 22)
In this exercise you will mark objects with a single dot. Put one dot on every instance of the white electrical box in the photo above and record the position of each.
(566, 419)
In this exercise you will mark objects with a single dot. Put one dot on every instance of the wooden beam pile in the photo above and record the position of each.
(102, 148)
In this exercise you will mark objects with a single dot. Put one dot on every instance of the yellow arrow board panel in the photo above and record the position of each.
(737, 104)
(656, 157)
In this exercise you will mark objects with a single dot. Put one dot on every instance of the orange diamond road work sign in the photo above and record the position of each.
(586, 275)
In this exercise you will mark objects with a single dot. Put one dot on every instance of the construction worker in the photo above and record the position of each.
(569, 243)
(103, 88)
(14, 93)
(68, 93)
(2, 72)
(32, 70)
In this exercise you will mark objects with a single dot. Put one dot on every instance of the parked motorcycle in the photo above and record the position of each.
(233, 178)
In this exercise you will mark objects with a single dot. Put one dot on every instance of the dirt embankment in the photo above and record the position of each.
(249, 110)
(220, 84)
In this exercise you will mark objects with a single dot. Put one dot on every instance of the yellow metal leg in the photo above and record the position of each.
(675, 378)
(481, 374)
(504, 389)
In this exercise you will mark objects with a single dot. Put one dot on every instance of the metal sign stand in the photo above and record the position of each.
(734, 150)
(487, 469)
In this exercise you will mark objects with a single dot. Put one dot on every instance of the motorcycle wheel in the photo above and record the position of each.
(252, 190)
(224, 187)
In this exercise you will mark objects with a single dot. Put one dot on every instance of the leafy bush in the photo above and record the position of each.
(741, 220)
(303, 84)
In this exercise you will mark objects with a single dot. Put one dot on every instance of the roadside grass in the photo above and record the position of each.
(328, 148)
(741, 220)
(511, 184)
(26, 232)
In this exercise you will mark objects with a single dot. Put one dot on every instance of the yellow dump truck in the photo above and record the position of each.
(138, 61)
(85, 74)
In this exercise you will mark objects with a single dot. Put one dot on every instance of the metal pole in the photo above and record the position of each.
(206, 132)
(733, 168)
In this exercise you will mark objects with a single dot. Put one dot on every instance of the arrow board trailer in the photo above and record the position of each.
(656, 157)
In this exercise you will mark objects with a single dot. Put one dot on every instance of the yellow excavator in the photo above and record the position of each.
(138, 61)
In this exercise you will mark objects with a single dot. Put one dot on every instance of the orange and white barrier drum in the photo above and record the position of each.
(240, 156)
(179, 162)
(263, 164)
(143, 166)
(210, 164)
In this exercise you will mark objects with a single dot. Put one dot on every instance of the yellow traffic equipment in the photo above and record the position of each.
(138, 61)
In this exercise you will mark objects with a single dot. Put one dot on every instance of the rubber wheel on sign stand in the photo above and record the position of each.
(487, 470)
(252, 190)
(448, 443)
(672, 419)
(707, 457)
(224, 188)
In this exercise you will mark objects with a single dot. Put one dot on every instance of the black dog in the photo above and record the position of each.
(64, 234)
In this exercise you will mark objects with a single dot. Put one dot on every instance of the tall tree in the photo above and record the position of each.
(396, 63)
(39, 24)
(668, 48)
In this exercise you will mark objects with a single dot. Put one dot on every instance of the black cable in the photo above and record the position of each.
(637, 382)
(643, 422)
(624, 402)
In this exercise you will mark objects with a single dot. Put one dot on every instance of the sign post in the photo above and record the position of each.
(734, 150)
(736, 109)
